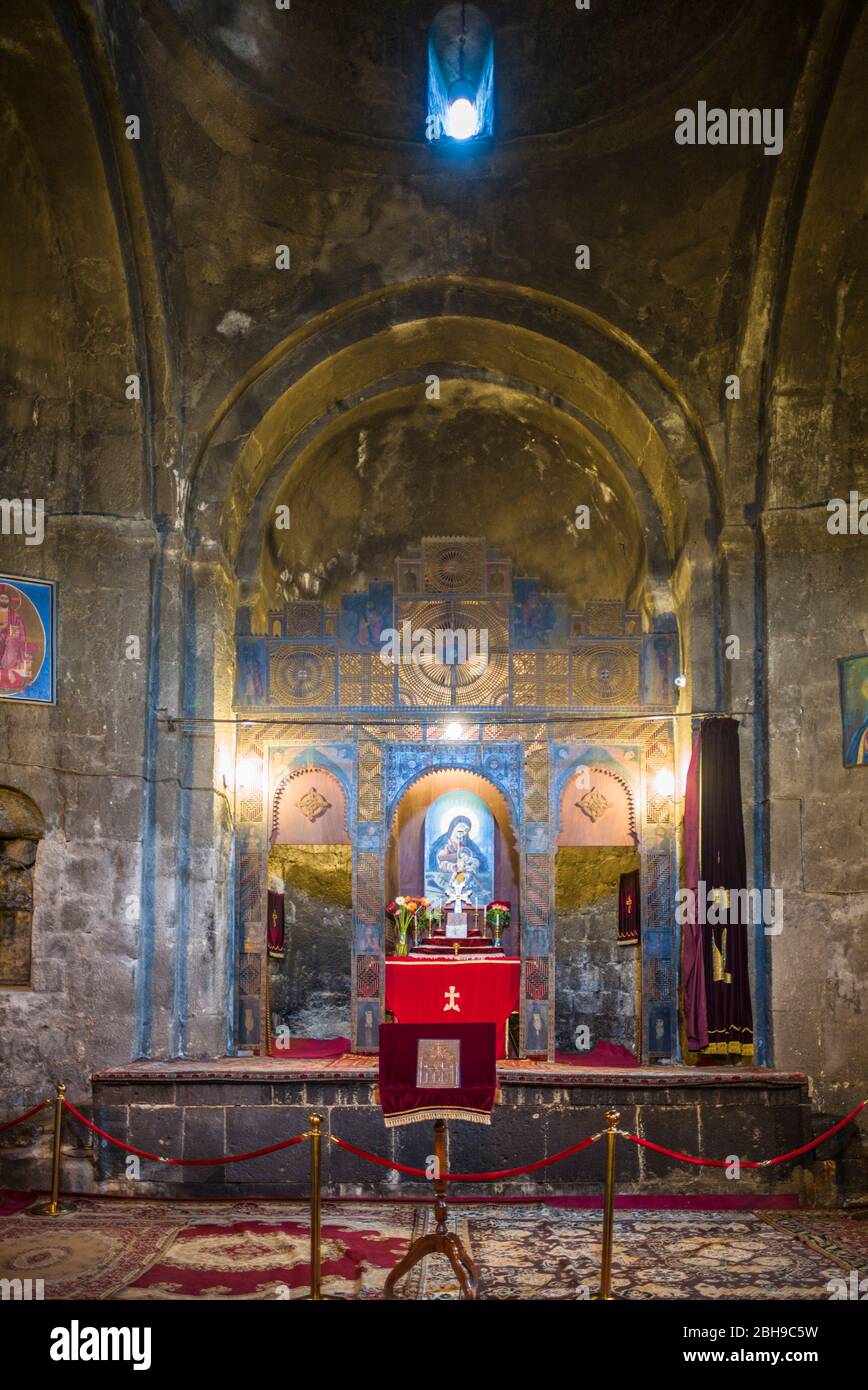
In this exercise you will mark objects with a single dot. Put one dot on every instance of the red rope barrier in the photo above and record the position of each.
(10, 1124)
(448, 1177)
(183, 1162)
(746, 1162)
(467, 1177)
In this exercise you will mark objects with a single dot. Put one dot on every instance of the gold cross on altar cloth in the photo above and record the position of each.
(451, 994)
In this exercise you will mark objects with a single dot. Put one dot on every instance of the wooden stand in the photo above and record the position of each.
(441, 1241)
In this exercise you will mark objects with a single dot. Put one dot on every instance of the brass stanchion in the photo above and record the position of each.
(316, 1294)
(53, 1207)
(613, 1116)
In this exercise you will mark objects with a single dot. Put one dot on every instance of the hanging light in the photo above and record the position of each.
(454, 730)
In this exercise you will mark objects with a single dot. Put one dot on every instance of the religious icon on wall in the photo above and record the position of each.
(367, 939)
(364, 617)
(251, 671)
(459, 849)
(659, 668)
(27, 640)
(538, 619)
(536, 1029)
(853, 679)
(367, 1024)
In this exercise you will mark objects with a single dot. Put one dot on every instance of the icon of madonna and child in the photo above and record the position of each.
(459, 861)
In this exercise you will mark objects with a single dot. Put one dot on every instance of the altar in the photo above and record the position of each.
(458, 990)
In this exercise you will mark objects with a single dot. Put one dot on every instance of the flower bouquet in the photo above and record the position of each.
(497, 917)
(403, 912)
(428, 918)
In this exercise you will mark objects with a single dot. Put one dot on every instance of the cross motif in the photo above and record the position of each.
(451, 994)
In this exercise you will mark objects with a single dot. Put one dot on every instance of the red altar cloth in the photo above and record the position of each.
(404, 1101)
(485, 991)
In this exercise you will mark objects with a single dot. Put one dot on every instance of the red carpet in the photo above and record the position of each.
(13, 1201)
(310, 1047)
(603, 1054)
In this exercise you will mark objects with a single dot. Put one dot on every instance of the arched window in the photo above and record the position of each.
(460, 75)
(21, 828)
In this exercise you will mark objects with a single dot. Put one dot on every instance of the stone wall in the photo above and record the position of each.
(310, 987)
(595, 982)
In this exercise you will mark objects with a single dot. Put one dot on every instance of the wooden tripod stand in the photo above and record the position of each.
(440, 1241)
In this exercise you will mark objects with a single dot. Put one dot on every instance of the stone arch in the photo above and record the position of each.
(448, 767)
(504, 781)
(551, 345)
(577, 364)
(20, 818)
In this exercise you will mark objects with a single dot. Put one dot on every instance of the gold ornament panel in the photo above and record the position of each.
(300, 677)
(364, 680)
(454, 564)
(606, 674)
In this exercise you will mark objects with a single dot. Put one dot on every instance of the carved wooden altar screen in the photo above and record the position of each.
(559, 691)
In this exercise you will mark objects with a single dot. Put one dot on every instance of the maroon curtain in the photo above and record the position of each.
(692, 961)
(628, 909)
(275, 930)
(723, 866)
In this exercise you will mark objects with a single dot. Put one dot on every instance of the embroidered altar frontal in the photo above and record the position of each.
(437, 1071)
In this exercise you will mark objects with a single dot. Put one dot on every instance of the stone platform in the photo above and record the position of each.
(223, 1107)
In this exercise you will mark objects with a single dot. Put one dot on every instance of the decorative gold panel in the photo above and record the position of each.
(303, 618)
(364, 680)
(302, 676)
(453, 565)
(370, 904)
(484, 615)
(604, 618)
(478, 683)
(540, 678)
(606, 675)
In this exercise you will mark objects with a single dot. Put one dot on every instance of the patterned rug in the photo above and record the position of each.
(525, 1253)
(78, 1260)
(253, 1249)
(268, 1259)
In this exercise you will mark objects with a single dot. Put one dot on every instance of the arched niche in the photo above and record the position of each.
(309, 808)
(598, 982)
(309, 863)
(406, 843)
(597, 807)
